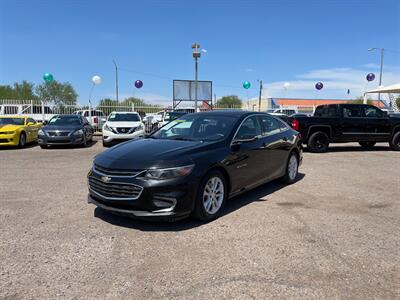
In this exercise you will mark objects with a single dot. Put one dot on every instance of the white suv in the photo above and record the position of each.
(122, 126)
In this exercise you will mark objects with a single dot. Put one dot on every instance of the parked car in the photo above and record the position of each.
(18, 131)
(122, 126)
(27, 110)
(66, 130)
(282, 111)
(158, 120)
(338, 123)
(194, 164)
(96, 118)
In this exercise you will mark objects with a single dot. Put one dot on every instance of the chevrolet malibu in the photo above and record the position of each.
(192, 165)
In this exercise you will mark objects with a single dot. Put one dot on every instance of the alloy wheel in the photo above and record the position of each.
(213, 195)
(292, 167)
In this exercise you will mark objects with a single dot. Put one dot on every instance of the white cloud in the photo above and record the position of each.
(249, 70)
(336, 83)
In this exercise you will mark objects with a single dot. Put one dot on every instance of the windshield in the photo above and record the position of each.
(64, 120)
(12, 121)
(197, 127)
(124, 117)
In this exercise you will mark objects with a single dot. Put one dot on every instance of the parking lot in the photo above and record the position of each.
(332, 234)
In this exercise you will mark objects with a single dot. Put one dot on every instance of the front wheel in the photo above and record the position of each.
(292, 169)
(367, 145)
(211, 197)
(395, 142)
(318, 142)
(22, 140)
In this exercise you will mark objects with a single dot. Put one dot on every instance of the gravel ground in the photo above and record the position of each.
(333, 234)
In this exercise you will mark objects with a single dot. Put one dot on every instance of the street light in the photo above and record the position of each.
(380, 74)
(196, 56)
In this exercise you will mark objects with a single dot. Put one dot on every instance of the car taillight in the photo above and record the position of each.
(94, 119)
(295, 125)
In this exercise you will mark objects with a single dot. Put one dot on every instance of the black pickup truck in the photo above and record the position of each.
(340, 123)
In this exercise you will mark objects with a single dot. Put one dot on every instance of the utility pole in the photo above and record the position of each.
(381, 69)
(196, 56)
(260, 94)
(116, 80)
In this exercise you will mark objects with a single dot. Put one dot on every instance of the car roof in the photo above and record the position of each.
(124, 112)
(68, 115)
(233, 113)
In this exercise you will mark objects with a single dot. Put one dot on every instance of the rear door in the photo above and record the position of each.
(353, 124)
(273, 148)
(378, 127)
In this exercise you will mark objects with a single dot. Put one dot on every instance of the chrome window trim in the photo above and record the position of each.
(241, 123)
(278, 120)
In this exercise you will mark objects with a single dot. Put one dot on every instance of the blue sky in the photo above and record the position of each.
(300, 42)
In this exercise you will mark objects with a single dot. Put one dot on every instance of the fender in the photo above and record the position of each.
(395, 129)
(319, 126)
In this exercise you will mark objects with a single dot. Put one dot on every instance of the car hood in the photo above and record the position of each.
(62, 128)
(123, 124)
(9, 127)
(150, 153)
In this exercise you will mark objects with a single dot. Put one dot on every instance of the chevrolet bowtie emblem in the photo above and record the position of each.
(105, 179)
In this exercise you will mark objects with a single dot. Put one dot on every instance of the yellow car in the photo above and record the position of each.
(18, 131)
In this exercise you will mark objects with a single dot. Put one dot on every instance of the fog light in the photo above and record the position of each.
(164, 203)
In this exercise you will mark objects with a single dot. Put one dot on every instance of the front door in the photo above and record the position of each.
(378, 127)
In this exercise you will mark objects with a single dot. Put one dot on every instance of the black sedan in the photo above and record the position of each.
(194, 164)
(65, 130)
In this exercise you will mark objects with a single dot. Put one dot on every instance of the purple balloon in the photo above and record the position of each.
(370, 76)
(319, 85)
(138, 84)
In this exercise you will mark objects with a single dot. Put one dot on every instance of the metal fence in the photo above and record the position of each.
(97, 115)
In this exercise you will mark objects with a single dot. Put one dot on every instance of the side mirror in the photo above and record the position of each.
(235, 147)
(30, 124)
(44, 122)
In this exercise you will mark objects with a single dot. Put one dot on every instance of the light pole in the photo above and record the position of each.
(260, 95)
(116, 79)
(196, 56)
(380, 74)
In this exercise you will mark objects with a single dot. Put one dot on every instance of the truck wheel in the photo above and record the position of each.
(318, 142)
(367, 145)
(395, 142)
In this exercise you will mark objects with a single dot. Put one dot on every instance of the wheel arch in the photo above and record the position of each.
(316, 128)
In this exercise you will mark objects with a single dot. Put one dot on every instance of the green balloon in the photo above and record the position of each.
(48, 77)
(246, 85)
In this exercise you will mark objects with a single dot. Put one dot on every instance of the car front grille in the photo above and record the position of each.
(116, 172)
(114, 190)
(125, 130)
(58, 133)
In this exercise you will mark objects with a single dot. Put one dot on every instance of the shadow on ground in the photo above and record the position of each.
(234, 204)
(341, 148)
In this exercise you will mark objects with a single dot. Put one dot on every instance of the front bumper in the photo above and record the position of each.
(158, 199)
(109, 136)
(61, 140)
(9, 140)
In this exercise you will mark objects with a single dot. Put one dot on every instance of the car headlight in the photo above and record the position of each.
(41, 132)
(78, 132)
(168, 173)
(108, 128)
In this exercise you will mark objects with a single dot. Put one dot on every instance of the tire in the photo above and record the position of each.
(292, 169)
(318, 142)
(43, 146)
(367, 145)
(208, 208)
(105, 144)
(22, 140)
(395, 142)
(84, 144)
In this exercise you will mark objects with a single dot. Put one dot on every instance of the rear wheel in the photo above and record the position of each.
(43, 146)
(367, 145)
(318, 142)
(211, 197)
(22, 140)
(292, 169)
(395, 142)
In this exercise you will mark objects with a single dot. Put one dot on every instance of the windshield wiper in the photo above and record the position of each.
(182, 139)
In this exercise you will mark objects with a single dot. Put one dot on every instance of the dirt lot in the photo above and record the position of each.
(333, 234)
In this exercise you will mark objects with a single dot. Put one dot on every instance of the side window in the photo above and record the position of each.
(352, 111)
(86, 114)
(249, 129)
(282, 125)
(372, 112)
(30, 120)
(269, 126)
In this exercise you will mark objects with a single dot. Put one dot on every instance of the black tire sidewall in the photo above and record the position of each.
(199, 210)
(395, 142)
(20, 138)
(314, 138)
